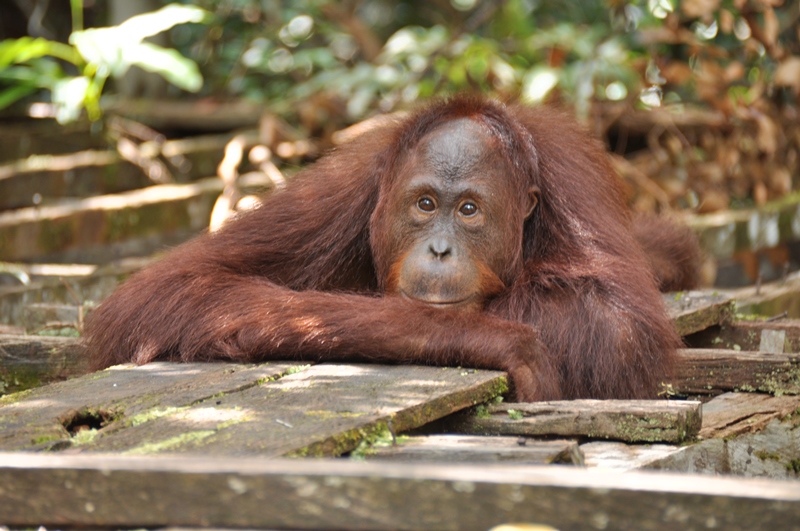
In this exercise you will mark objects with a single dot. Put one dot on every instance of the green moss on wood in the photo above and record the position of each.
(172, 443)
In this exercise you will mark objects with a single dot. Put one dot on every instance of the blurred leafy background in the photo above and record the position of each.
(696, 98)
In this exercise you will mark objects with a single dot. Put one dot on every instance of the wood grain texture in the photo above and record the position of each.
(270, 409)
(53, 490)
(28, 361)
(692, 311)
(733, 414)
(711, 372)
(326, 410)
(622, 420)
(123, 396)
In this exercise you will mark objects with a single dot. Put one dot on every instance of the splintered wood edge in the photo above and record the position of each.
(706, 314)
(407, 419)
(51, 490)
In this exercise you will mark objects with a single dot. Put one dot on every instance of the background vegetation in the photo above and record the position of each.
(700, 96)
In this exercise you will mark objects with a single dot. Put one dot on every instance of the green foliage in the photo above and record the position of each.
(514, 47)
(323, 61)
(378, 55)
(28, 65)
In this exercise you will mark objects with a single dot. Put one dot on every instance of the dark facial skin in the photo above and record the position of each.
(456, 227)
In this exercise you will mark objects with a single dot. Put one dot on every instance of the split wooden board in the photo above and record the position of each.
(270, 409)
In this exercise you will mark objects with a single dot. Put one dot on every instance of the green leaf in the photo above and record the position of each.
(95, 42)
(102, 48)
(14, 51)
(146, 25)
(113, 50)
(170, 64)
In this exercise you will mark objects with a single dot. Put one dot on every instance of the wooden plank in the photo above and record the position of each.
(189, 115)
(480, 449)
(623, 420)
(228, 409)
(749, 335)
(73, 231)
(83, 173)
(692, 311)
(711, 372)
(24, 136)
(722, 234)
(14, 302)
(129, 492)
(41, 179)
(733, 414)
(326, 410)
(746, 434)
(620, 456)
(29, 361)
(770, 299)
(117, 397)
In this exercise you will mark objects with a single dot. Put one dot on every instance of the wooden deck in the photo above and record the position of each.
(282, 445)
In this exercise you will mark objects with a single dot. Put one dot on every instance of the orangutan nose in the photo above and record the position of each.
(440, 248)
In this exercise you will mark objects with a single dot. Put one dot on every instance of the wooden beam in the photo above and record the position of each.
(622, 420)
(89, 288)
(711, 372)
(28, 361)
(770, 300)
(722, 234)
(692, 311)
(128, 492)
(750, 335)
(74, 229)
(476, 448)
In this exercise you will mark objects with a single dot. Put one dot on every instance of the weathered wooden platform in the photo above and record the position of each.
(206, 445)
(270, 410)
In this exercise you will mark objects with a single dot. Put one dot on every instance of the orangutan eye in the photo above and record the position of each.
(426, 204)
(468, 209)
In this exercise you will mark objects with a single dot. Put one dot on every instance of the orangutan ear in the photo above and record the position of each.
(533, 200)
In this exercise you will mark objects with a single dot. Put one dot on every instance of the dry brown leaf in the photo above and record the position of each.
(767, 136)
(709, 172)
(760, 194)
(780, 182)
(726, 21)
(734, 71)
(771, 27)
(699, 8)
(713, 200)
(788, 73)
(674, 188)
(677, 72)
(729, 156)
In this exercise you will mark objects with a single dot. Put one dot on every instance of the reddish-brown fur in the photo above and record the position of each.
(303, 276)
